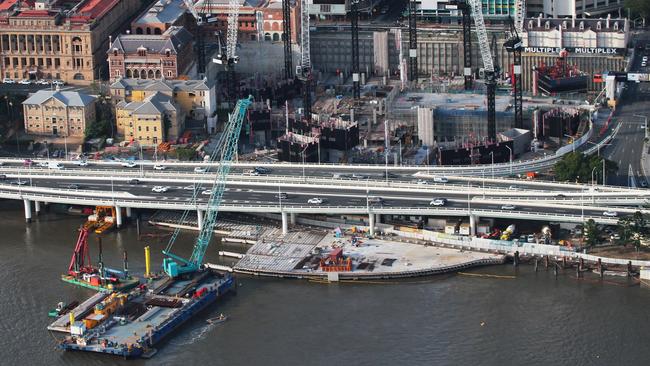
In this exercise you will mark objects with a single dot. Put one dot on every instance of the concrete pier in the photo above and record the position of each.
(199, 218)
(28, 210)
(285, 223)
(292, 216)
(371, 223)
(118, 216)
(37, 207)
(129, 212)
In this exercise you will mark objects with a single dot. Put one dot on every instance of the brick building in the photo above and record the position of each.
(142, 56)
(59, 39)
(58, 113)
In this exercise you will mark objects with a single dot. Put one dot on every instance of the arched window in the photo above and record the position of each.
(581, 25)
(142, 51)
(615, 26)
(276, 37)
(150, 75)
(158, 74)
(78, 76)
(157, 31)
(114, 51)
(267, 36)
(547, 25)
(136, 74)
(168, 52)
(128, 73)
(138, 30)
(530, 24)
(148, 30)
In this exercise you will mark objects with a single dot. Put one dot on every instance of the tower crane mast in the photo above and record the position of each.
(304, 72)
(488, 65)
(514, 45)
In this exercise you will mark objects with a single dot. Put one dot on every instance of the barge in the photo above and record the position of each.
(131, 324)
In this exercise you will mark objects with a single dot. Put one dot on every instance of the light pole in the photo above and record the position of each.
(65, 144)
(604, 181)
(400, 152)
(280, 197)
(303, 162)
(508, 147)
(386, 146)
(492, 156)
(483, 179)
(598, 147)
(593, 185)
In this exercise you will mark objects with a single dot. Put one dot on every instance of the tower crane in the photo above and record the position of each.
(413, 41)
(514, 45)
(228, 57)
(198, 15)
(488, 65)
(174, 265)
(304, 70)
(354, 20)
(286, 34)
(465, 10)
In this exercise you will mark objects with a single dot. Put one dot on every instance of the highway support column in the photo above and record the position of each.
(199, 218)
(285, 223)
(371, 223)
(292, 217)
(118, 216)
(28, 210)
(472, 224)
(129, 212)
(37, 207)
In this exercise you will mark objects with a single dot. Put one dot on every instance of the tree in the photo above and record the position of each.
(100, 128)
(575, 166)
(624, 228)
(640, 8)
(185, 153)
(591, 233)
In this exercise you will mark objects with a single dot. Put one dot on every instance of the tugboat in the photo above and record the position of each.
(217, 319)
(62, 309)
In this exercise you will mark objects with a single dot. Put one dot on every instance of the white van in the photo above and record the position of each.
(54, 165)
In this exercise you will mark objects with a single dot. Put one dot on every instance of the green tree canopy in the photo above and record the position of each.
(638, 8)
(591, 233)
(575, 166)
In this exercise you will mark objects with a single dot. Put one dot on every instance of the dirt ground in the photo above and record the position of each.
(627, 252)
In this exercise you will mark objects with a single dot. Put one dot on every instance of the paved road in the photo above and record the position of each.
(626, 148)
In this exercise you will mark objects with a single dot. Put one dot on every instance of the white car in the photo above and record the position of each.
(440, 179)
(422, 181)
(359, 176)
(610, 213)
(25, 82)
(81, 163)
(42, 82)
(8, 81)
(189, 188)
(508, 207)
(160, 189)
(207, 192)
(199, 169)
(58, 82)
(42, 164)
(128, 164)
(438, 202)
(645, 58)
(315, 201)
(159, 167)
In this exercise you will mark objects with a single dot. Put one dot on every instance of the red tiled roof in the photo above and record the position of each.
(6, 4)
(34, 13)
(93, 9)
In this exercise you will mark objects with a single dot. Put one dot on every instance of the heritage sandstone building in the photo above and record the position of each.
(59, 39)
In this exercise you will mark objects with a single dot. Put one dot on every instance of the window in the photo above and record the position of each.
(155, 128)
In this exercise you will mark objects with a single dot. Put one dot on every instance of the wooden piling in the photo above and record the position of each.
(536, 261)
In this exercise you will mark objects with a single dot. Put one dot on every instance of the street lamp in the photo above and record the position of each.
(593, 184)
(645, 130)
(386, 146)
(598, 146)
(492, 156)
(65, 144)
(604, 173)
(508, 147)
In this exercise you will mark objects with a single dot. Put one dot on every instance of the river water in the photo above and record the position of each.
(444, 320)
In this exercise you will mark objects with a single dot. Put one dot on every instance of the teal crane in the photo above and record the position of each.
(174, 265)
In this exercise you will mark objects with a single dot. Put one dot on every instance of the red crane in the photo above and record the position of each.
(80, 261)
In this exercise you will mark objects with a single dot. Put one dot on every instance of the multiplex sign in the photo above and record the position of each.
(576, 50)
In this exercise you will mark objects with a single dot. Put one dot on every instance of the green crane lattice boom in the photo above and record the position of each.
(174, 265)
